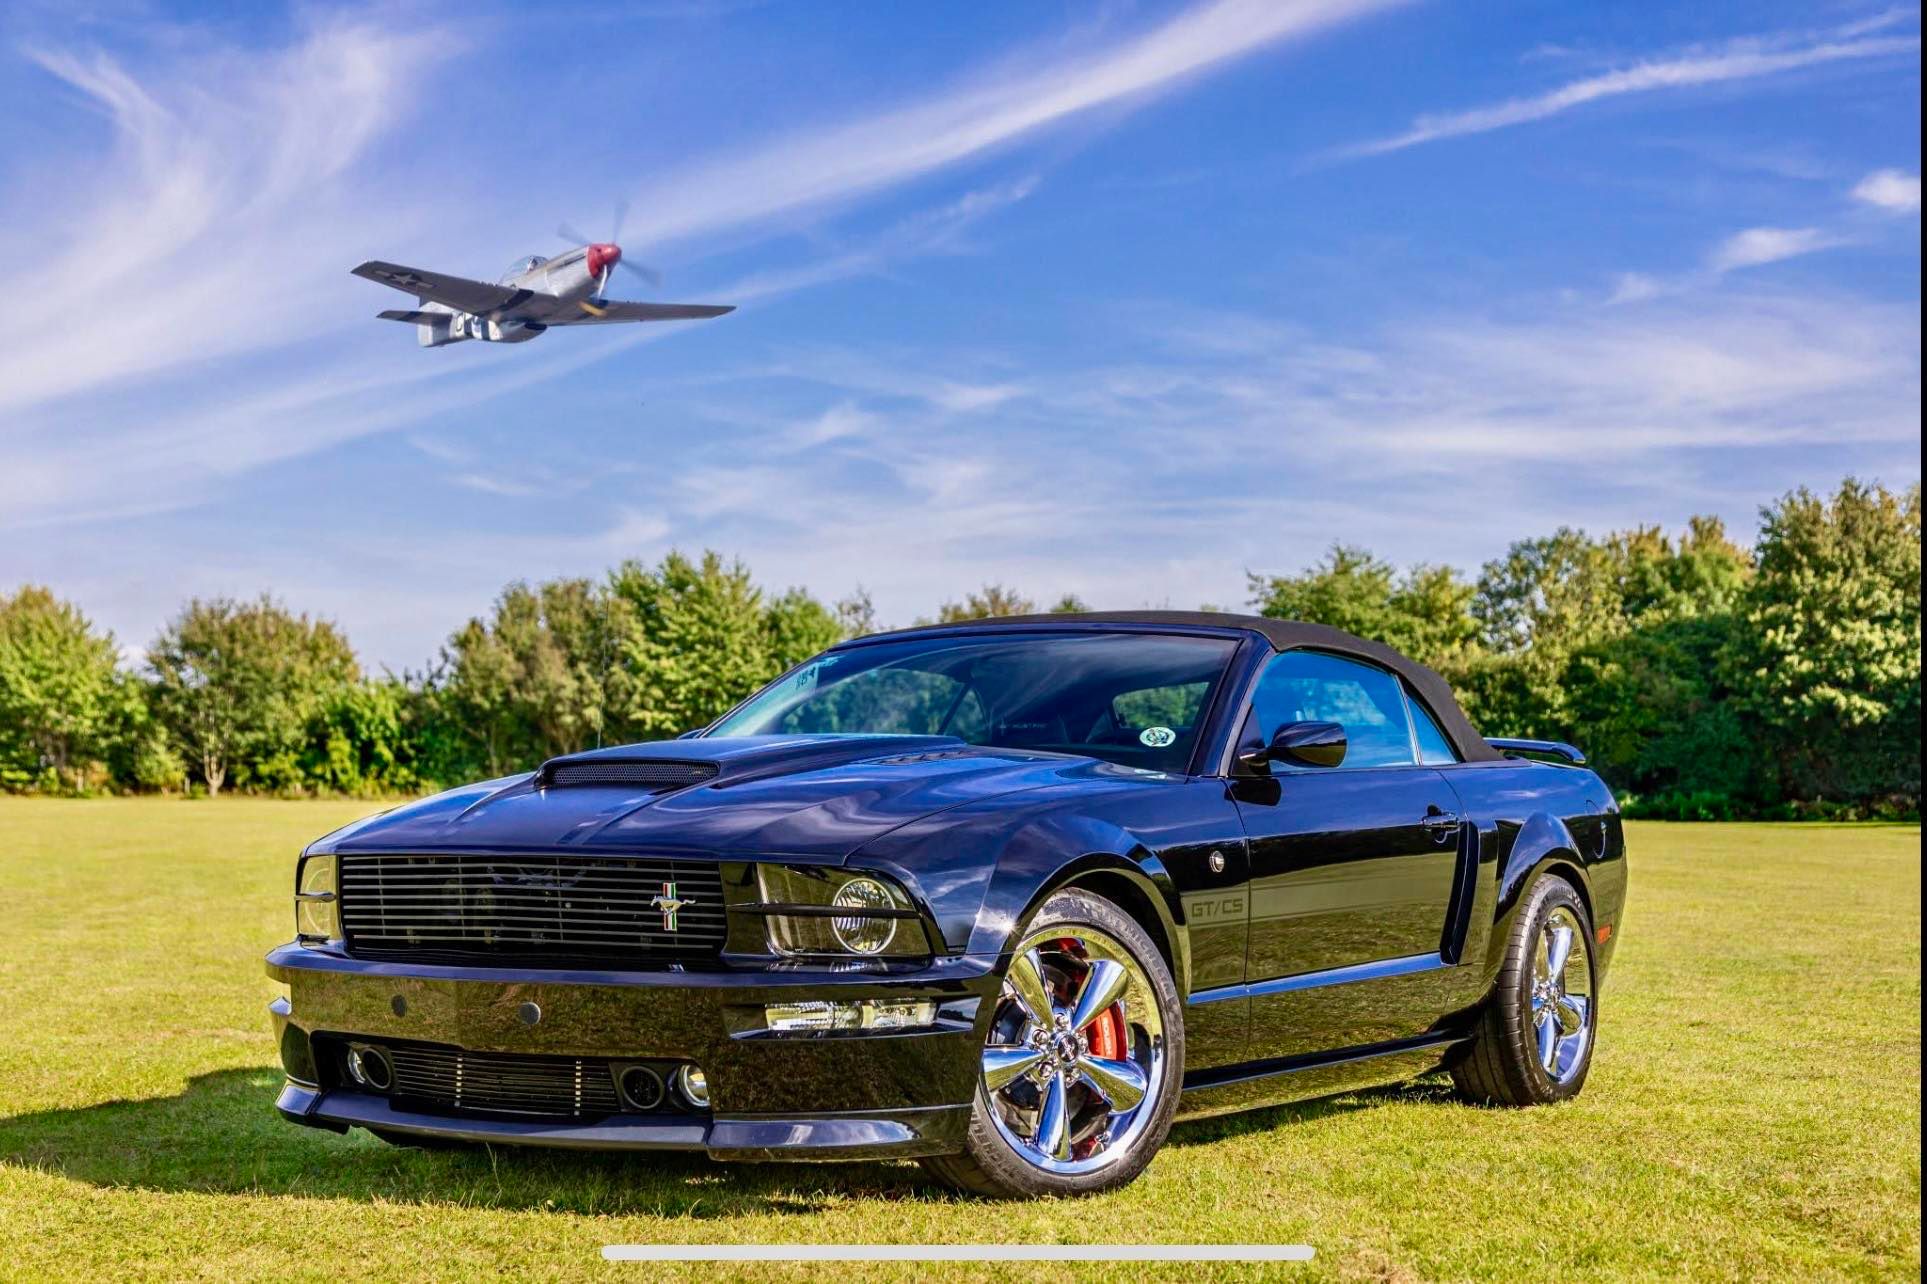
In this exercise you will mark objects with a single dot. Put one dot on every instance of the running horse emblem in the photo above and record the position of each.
(668, 904)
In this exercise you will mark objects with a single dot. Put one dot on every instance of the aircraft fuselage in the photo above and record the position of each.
(551, 290)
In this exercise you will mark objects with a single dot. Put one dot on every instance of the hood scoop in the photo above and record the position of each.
(657, 774)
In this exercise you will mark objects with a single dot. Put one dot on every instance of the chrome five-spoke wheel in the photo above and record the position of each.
(1561, 995)
(1532, 1042)
(1083, 1054)
(1075, 1049)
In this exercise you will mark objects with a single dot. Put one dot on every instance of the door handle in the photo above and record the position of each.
(1443, 826)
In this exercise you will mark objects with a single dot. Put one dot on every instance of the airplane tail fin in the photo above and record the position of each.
(431, 328)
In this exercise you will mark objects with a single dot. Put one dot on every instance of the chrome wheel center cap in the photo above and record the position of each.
(1061, 1108)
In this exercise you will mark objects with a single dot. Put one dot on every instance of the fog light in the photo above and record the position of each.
(693, 1087)
(864, 1014)
(641, 1087)
(370, 1067)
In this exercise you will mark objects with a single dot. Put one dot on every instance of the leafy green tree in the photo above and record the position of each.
(649, 652)
(539, 677)
(152, 762)
(1829, 656)
(989, 602)
(237, 684)
(62, 701)
(1704, 679)
(361, 740)
(856, 615)
(798, 627)
(699, 640)
(1425, 612)
(1646, 690)
(1614, 644)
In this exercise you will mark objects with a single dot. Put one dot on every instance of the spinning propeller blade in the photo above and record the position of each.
(648, 274)
(643, 270)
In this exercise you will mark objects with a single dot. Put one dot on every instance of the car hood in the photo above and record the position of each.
(819, 797)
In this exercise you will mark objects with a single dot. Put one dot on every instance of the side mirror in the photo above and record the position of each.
(1308, 744)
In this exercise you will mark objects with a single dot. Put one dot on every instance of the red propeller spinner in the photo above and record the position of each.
(603, 256)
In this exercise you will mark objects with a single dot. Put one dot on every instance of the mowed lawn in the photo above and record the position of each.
(1754, 1109)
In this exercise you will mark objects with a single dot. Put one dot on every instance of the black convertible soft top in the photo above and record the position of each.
(1284, 635)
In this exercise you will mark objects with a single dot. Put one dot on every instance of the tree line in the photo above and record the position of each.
(1706, 679)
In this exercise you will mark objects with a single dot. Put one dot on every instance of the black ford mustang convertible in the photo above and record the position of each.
(1007, 896)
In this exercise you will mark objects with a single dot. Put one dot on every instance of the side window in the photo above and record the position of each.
(1310, 686)
(1433, 748)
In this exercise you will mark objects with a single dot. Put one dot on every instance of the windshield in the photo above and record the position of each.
(1131, 698)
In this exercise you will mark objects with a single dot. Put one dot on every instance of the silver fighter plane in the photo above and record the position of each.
(534, 294)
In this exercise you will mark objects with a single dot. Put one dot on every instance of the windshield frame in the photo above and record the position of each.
(1219, 717)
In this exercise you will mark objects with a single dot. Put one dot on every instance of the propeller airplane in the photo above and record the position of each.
(534, 294)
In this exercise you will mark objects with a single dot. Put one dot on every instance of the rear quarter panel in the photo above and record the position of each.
(1533, 818)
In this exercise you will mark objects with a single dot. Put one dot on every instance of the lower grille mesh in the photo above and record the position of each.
(500, 1083)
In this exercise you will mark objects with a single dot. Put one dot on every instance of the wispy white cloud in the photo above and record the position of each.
(221, 218)
(1739, 60)
(1150, 478)
(826, 165)
(239, 186)
(1636, 287)
(935, 231)
(1890, 190)
(1752, 247)
(1761, 245)
(1462, 428)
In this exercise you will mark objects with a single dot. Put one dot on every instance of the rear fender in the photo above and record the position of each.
(1543, 845)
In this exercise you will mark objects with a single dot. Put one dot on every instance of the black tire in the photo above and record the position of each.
(1503, 1065)
(990, 1165)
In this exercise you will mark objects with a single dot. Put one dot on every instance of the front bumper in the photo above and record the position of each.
(843, 1095)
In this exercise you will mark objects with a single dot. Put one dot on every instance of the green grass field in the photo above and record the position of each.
(1754, 1109)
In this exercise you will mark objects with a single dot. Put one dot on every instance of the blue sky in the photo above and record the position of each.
(1118, 299)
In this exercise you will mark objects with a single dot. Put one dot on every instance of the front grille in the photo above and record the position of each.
(499, 1083)
(554, 911)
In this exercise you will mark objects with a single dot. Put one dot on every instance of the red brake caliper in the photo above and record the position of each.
(1107, 1033)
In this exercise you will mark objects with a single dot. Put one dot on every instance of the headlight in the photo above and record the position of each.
(820, 910)
(316, 913)
(860, 933)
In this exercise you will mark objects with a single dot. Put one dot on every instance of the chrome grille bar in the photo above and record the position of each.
(541, 909)
(501, 1083)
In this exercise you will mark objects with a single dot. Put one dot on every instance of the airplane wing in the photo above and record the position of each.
(457, 292)
(417, 318)
(616, 310)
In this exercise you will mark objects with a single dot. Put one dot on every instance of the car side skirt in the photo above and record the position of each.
(1256, 1084)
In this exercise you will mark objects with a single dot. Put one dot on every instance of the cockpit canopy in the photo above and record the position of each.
(520, 266)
